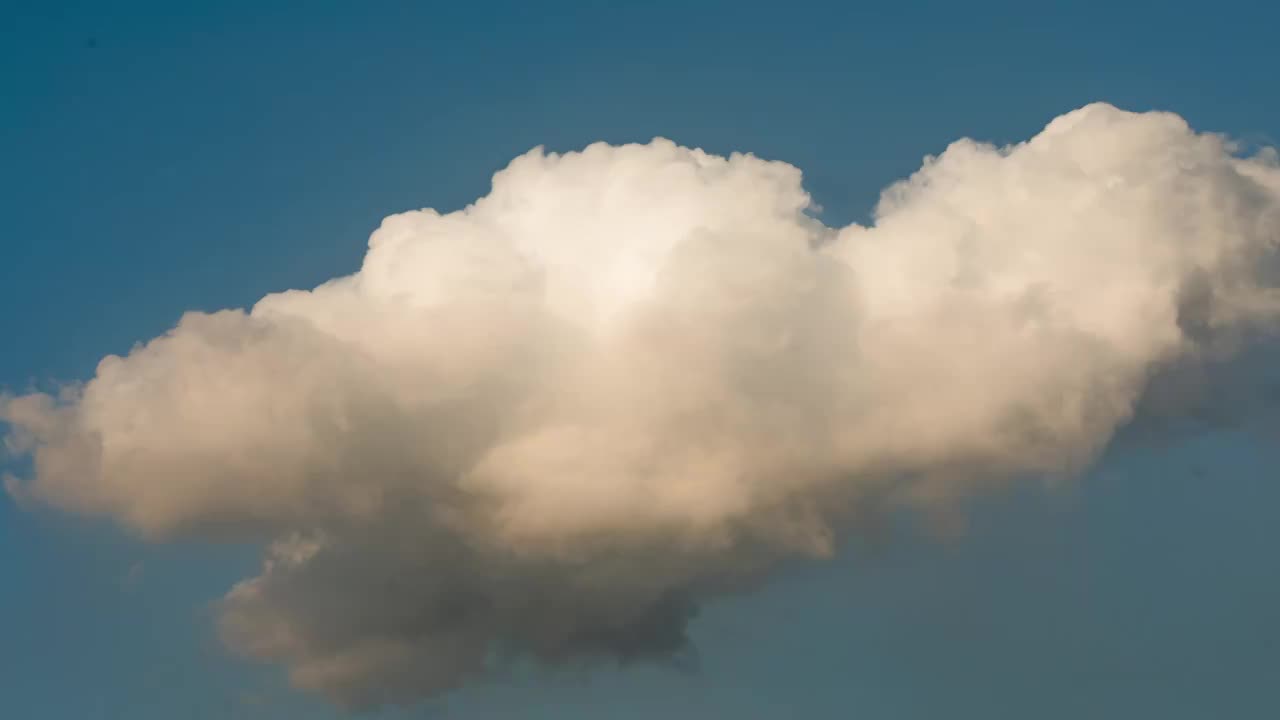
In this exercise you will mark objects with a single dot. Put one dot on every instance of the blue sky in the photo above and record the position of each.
(161, 157)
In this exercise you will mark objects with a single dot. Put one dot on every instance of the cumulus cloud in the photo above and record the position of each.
(630, 378)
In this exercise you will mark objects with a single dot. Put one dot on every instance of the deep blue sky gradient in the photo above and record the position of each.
(160, 157)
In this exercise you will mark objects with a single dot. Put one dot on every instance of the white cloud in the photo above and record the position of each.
(632, 376)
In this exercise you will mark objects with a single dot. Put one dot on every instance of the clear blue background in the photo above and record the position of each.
(159, 157)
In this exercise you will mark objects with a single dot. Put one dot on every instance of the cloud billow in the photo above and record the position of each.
(634, 377)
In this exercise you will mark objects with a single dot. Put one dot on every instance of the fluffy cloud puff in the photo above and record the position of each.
(633, 377)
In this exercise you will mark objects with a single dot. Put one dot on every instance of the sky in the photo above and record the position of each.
(161, 157)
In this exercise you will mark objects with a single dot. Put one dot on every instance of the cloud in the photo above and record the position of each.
(632, 378)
